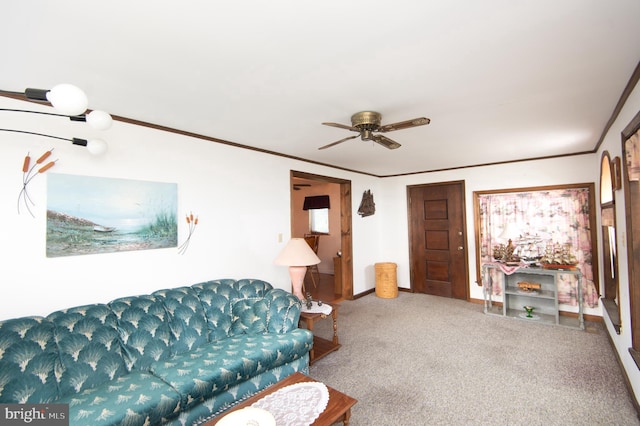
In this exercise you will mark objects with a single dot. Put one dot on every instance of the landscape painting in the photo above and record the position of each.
(89, 215)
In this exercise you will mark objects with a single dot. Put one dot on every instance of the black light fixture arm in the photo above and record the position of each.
(81, 117)
(39, 134)
(36, 94)
(95, 146)
(31, 94)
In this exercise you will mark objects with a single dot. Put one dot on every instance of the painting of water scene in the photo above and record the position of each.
(89, 215)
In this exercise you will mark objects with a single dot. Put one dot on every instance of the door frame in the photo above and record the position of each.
(465, 244)
(346, 239)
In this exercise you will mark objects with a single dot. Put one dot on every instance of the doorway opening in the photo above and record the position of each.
(332, 281)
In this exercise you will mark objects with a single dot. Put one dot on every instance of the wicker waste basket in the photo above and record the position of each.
(386, 280)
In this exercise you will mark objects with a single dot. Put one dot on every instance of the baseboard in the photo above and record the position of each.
(364, 293)
(627, 382)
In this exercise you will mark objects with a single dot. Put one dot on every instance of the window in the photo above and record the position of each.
(545, 215)
(319, 221)
(318, 207)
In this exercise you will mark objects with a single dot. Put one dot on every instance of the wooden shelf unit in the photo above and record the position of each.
(545, 300)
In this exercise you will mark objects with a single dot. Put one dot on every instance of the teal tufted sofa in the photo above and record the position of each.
(176, 356)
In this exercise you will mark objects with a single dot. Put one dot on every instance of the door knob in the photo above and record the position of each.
(460, 248)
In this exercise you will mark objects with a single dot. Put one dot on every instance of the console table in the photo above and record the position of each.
(544, 300)
(322, 347)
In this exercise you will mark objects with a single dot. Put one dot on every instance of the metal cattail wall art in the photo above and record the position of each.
(192, 222)
(28, 173)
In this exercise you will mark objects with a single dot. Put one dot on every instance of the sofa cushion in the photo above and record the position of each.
(249, 316)
(216, 297)
(186, 318)
(148, 401)
(28, 355)
(144, 329)
(89, 346)
(215, 367)
(284, 311)
(252, 288)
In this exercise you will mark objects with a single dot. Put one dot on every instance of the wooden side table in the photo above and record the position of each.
(321, 346)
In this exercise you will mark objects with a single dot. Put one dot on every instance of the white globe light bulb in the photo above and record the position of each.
(97, 146)
(99, 120)
(68, 99)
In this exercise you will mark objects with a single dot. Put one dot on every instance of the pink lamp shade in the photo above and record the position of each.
(297, 255)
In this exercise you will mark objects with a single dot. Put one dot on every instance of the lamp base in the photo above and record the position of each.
(297, 274)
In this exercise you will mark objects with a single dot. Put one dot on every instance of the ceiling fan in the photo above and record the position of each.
(368, 122)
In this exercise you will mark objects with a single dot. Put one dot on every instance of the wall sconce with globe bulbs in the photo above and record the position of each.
(70, 102)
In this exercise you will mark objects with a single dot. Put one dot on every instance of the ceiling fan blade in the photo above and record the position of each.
(386, 142)
(404, 124)
(337, 142)
(342, 126)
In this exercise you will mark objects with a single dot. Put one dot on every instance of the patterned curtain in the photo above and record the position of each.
(556, 216)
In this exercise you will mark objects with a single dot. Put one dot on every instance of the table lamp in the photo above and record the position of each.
(510, 232)
(297, 255)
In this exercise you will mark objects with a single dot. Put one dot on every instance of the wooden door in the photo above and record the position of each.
(437, 240)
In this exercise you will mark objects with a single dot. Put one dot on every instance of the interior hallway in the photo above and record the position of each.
(324, 289)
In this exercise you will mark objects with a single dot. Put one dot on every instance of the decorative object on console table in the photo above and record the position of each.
(297, 255)
(321, 347)
(528, 287)
(557, 256)
(529, 311)
(507, 253)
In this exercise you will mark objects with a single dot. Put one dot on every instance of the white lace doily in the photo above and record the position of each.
(315, 309)
(296, 405)
(250, 416)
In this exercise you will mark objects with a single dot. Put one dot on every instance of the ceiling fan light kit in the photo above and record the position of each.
(368, 122)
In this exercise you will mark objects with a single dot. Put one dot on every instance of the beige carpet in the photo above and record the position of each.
(426, 360)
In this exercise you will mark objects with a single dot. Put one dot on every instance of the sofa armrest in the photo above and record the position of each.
(284, 311)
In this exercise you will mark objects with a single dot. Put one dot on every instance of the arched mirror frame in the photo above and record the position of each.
(608, 184)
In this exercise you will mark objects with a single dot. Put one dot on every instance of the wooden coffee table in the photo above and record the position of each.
(338, 407)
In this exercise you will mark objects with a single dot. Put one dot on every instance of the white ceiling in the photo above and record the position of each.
(500, 79)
